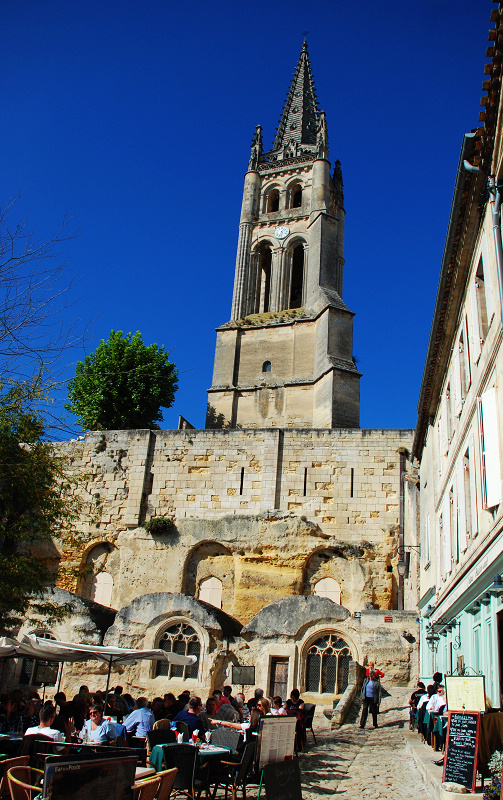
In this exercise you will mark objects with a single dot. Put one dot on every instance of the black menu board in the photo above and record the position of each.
(460, 762)
(282, 781)
(110, 779)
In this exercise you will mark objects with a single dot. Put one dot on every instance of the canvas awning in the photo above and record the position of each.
(52, 650)
(32, 646)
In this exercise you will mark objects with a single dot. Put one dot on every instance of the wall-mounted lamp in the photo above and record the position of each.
(497, 587)
(404, 559)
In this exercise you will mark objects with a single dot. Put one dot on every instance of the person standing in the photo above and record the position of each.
(371, 697)
(372, 668)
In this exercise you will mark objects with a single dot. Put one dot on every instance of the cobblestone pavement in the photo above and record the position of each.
(370, 763)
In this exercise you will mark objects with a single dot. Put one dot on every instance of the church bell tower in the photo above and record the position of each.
(285, 358)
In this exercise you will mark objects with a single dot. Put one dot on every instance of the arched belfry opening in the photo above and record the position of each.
(297, 280)
(273, 201)
(264, 279)
(296, 196)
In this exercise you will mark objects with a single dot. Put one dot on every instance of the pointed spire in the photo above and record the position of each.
(300, 121)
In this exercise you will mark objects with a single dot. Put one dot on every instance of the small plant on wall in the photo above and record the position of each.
(159, 525)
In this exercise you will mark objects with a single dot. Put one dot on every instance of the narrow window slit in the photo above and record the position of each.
(352, 481)
(305, 481)
(242, 480)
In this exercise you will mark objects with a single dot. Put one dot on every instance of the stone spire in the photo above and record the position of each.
(300, 121)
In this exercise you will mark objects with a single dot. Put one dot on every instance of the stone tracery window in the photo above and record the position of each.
(182, 639)
(327, 665)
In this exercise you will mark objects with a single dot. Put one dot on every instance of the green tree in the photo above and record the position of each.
(123, 384)
(35, 507)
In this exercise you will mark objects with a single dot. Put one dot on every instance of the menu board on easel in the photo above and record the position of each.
(465, 692)
(276, 740)
(460, 761)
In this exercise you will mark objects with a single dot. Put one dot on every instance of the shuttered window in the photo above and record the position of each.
(491, 467)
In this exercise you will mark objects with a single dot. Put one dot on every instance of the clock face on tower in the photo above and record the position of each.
(281, 232)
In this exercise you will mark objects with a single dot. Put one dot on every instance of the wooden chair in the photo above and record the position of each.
(24, 782)
(236, 774)
(147, 789)
(20, 761)
(162, 725)
(167, 778)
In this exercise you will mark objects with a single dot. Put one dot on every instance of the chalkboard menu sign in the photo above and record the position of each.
(460, 763)
(282, 781)
(111, 779)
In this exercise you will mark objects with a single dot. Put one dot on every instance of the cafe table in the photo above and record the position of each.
(206, 751)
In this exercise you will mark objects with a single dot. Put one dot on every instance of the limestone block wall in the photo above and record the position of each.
(268, 512)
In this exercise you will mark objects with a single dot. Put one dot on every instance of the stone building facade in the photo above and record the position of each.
(272, 538)
(459, 436)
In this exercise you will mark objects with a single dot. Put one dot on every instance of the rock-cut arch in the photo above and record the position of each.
(210, 560)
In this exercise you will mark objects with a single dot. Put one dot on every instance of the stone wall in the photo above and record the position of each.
(268, 512)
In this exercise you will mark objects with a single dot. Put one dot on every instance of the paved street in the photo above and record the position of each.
(370, 763)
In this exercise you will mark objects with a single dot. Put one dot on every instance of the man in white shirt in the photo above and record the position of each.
(436, 702)
(47, 717)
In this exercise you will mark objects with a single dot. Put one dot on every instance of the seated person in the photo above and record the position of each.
(47, 717)
(277, 709)
(209, 711)
(414, 700)
(436, 703)
(241, 707)
(220, 698)
(252, 702)
(96, 729)
(227, 712)
(264, 707)
(190, 717)
(295, 703)
(141, 720)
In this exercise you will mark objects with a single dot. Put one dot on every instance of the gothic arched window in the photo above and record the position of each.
(327, 587)
(182, 639)
(327, 665)
(210, 591)
(297, 281)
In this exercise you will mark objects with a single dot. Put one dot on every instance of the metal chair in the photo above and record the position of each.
(21, 761)
(227, 737)
(160, 737)
(236, 776)
(309, 709)
(190, 779)
(22, 783)
(183, 728)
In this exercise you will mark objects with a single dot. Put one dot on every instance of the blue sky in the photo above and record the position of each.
(137, 117)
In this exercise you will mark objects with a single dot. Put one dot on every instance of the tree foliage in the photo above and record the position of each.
(123, 384)
(35, 506)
